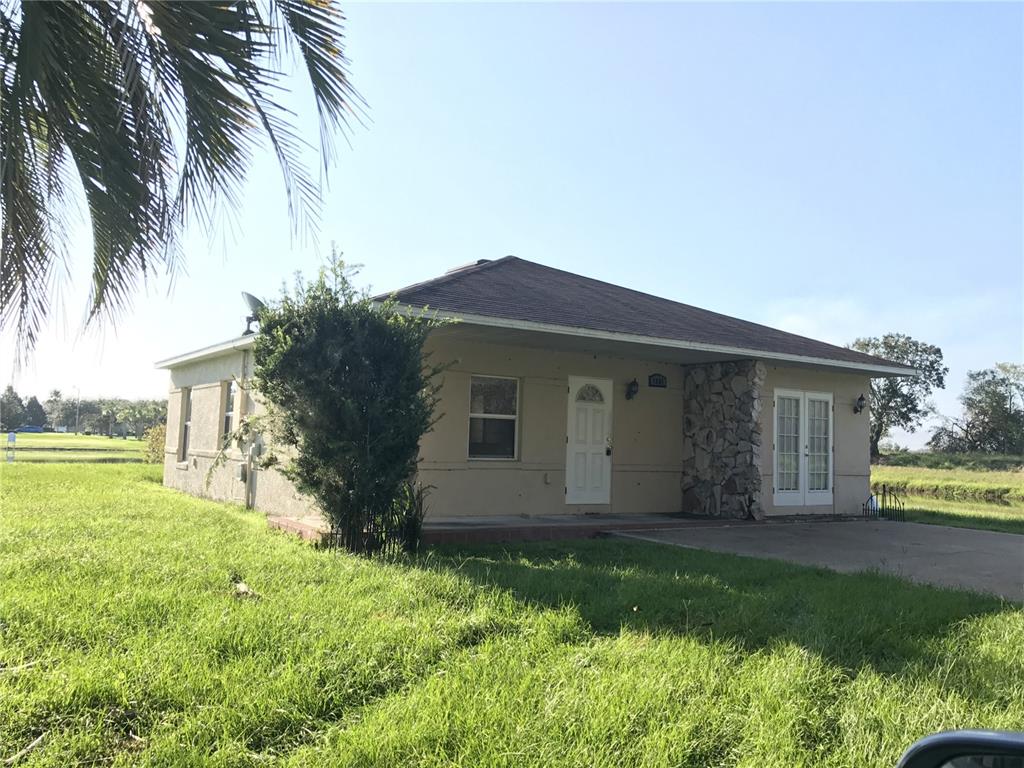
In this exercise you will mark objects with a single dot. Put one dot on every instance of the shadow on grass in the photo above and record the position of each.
(852, 619)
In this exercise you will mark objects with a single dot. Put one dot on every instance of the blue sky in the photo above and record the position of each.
(835, 170)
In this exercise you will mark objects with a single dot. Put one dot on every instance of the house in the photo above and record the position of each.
(568, 395)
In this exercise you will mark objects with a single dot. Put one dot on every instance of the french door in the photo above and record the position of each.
(803, 448)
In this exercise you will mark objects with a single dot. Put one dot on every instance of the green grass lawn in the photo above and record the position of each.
(68, 441)
(122, 643)
(52, 446)
(952, 484)
(1008, 518)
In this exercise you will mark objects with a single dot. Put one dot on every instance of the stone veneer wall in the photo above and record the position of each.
(722, 439)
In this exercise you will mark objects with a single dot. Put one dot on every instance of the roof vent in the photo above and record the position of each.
(461, 267)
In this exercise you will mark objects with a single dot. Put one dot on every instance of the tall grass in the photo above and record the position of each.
(123, 640)
(975, 462)
(959, 484)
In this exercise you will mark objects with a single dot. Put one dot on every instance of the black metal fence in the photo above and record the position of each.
(885, 506)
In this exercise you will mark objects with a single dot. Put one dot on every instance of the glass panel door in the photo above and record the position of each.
(819, 449)
(788, 444)
(803, 448)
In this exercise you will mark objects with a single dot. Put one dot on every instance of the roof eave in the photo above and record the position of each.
(205, 353)
(598, 335)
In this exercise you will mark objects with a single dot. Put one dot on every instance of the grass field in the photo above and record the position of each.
(1008, 518)
(121, 642)
(962, 490)
(978, 462)
(952, 484)
(56, 447)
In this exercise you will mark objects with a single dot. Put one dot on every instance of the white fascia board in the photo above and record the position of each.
(242, 342)
(718, 349)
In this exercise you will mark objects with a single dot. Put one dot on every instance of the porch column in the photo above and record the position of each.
(722, 439)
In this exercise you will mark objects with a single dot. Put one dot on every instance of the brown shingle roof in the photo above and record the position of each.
(515, 289)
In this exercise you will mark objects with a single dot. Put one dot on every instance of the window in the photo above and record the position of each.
(228, 422)
(493, 417)
(186, 422)
(589, 394)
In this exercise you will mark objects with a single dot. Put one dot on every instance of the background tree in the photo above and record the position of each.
(54, 406)
(902, 402)
(35, 414)
(350, 392)
(105, 416)
(992, 417)
(140, 415)
(149, 112)
(12, 409)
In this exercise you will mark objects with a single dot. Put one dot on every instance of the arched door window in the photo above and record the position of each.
(588, 393)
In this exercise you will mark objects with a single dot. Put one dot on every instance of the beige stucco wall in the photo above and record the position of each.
(647, 433)
(851, 458)
(273, 494)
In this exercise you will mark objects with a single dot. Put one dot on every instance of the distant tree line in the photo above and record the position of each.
(992, 403)
(991, 418)
(100, 416)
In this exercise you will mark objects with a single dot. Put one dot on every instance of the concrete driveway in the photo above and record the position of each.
(982, 561)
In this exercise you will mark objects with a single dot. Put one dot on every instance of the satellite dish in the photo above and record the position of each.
(255, 307)
(254, 304)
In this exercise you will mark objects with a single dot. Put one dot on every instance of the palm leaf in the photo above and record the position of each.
(150, 113)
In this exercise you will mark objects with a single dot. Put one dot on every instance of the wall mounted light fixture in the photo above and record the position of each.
(859, 405)
(631, 389)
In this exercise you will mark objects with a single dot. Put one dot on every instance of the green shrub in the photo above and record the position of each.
(156, 440)
(350, 395)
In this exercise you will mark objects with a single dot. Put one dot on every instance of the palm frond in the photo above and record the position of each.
(95, 99)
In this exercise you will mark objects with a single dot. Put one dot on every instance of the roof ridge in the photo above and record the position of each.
(644, 307)
(449, 277)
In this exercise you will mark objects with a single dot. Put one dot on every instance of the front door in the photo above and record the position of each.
(803, 448)
(588, 460)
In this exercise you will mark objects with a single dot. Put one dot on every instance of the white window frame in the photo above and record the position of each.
(501, 416)
(185, 430)
(226, 399)
(803, 497)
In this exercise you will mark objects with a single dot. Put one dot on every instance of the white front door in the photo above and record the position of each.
(803, 448)
(588, 459)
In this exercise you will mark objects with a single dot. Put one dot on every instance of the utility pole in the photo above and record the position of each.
(78, 407)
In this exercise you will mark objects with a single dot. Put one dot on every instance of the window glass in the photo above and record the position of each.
(493, 396)
(788, 444)
(228, 424)
(817, 448)
(588, 393)
(493, 417)
(492, 438)
(186, 422)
